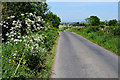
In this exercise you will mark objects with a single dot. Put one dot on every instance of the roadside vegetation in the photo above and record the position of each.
(105, 34)
(28, 40)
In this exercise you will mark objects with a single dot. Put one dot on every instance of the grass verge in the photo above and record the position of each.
(50, 61)
(103, 39)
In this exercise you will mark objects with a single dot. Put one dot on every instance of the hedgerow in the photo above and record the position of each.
(106, 36)
(26, 44)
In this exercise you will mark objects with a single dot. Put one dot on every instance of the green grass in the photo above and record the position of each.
(102, 38)
(50, 61)
(0, 61)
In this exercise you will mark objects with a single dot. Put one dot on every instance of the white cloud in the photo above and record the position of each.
(83, 0)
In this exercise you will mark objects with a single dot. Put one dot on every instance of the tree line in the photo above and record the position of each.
(95, 21)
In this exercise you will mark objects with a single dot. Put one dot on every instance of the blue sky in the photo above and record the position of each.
(83, 0)
(78, 11)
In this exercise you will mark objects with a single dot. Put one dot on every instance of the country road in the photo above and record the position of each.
(77, 57)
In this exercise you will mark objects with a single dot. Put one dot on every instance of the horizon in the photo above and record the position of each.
(78, 11)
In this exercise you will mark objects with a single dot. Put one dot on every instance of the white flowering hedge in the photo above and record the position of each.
(28, 23)
(26, 43)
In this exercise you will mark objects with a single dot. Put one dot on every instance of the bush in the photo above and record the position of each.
(113, 30)
(116, 31)
(92, 29)
(50, 39)
(113, 22)
(101, 26)
(24, 55)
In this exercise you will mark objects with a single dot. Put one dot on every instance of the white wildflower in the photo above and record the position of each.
(14, 21)
(2, 38)
(28, 25)
(1, 24)
(38, 24)
(12, 16)
(16, 43)
(8, 17)
(18, 36)
(22, 14)
(4, 25)
(8, 42)
(30, 14)
(14, 54)
(24, 40)
(20, 40)
(7, 34)
(16, 40)
(12, 38)
(32, 48)
(31, 40)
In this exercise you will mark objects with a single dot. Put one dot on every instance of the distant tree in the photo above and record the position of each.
(102, 23)
(93, 20)
(82, 24)
(118, 22)
(76, 24)
(106, 23)
(113, 22)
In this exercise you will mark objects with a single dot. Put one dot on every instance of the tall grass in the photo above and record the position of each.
(101, 37)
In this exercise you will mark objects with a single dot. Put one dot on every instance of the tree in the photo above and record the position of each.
(76, 24)
(102, 23)
(50, 17)
(118, 22)
(113, 22)
(93, 20)
(17, 8)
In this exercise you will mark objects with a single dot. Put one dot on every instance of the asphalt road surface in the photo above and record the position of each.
(77, 57)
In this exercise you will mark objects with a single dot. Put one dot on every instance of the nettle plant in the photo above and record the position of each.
(21, 32)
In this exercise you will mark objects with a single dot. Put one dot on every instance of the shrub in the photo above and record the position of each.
(24, 55)
(113, 22)
(92, 29)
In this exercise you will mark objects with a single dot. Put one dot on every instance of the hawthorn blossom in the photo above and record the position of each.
(22, 14)
(12, 16)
